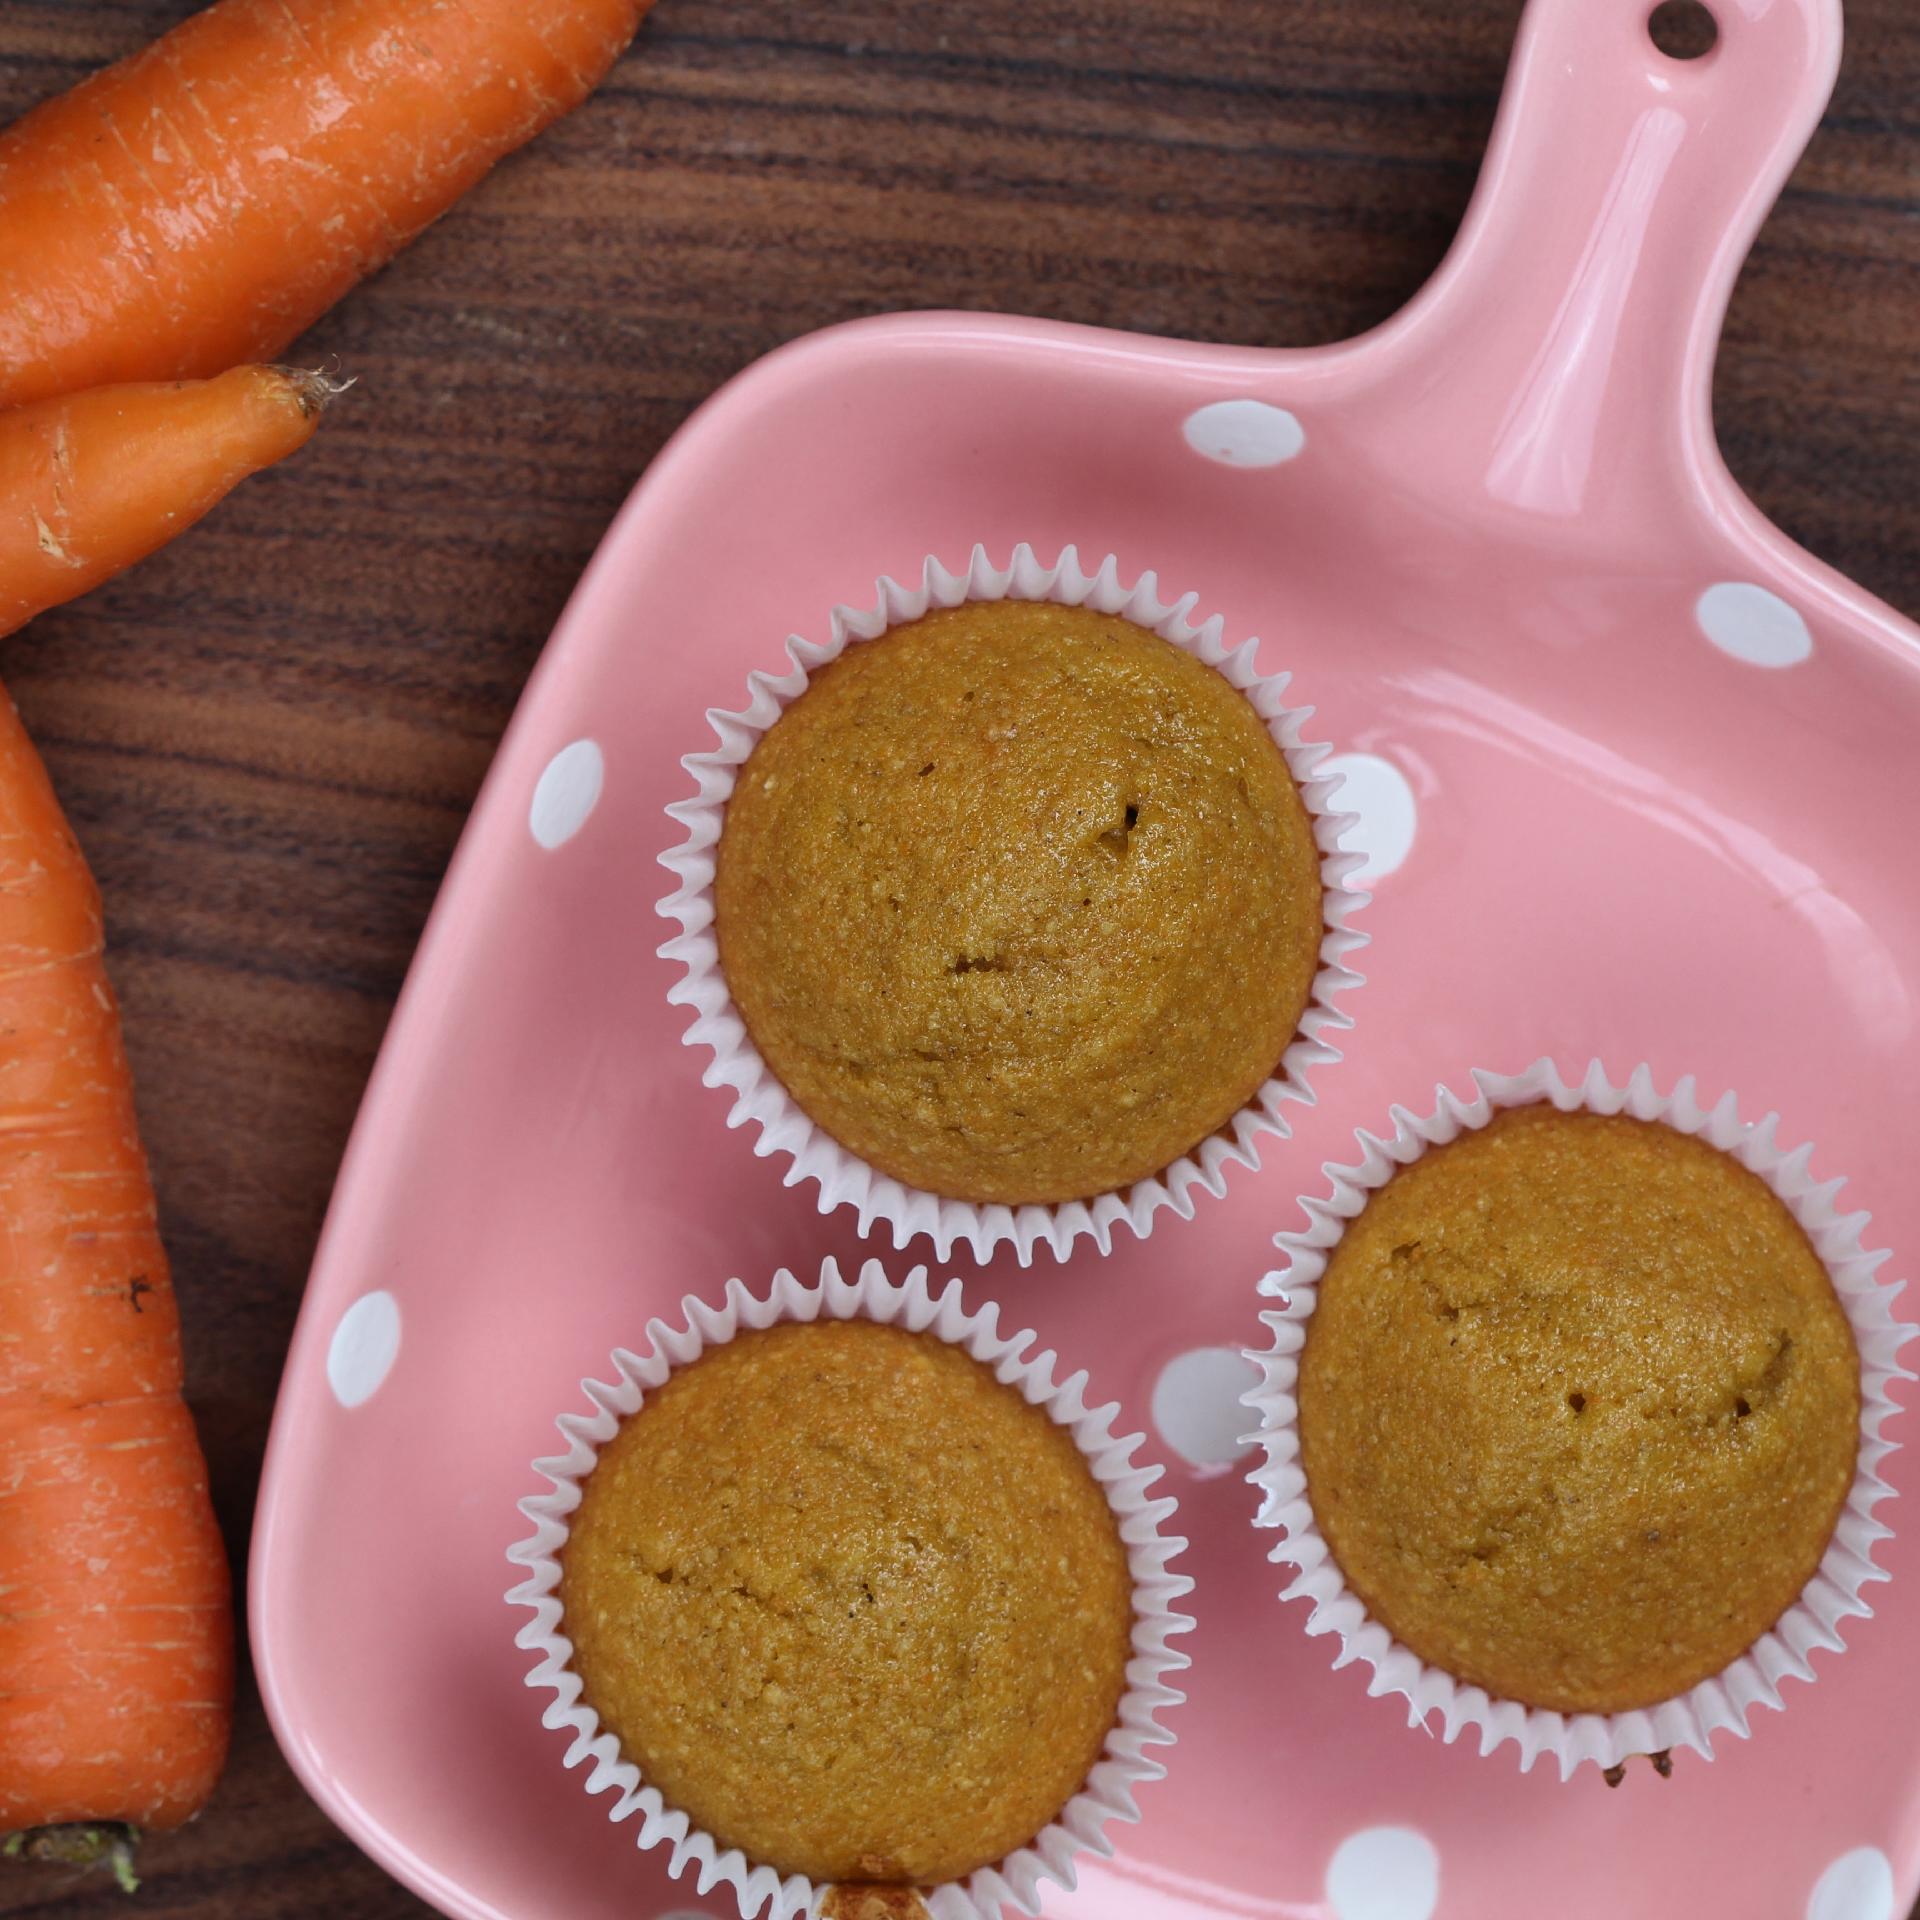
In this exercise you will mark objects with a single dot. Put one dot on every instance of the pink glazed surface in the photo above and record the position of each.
(1482, 566)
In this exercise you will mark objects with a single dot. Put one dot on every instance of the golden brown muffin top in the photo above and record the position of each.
(1578, 1409)
(1019, 901)
(851, 1603)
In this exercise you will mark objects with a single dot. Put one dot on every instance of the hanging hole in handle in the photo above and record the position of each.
(1683, 29)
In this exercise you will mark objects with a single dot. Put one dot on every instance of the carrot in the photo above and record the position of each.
(203, 202)
(116, 1657)
(91, 483)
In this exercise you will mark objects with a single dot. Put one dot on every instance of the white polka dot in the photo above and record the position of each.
(1384, 1873)
(567, 792)
(1753, 625)
(362, 1351)
(1245, 433)
(1196, 1405)
(1378, 792)
(1858, 1886)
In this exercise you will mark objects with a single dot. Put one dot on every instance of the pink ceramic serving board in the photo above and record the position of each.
(1659, 772)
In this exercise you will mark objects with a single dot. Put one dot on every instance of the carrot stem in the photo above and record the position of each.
(112, 1845)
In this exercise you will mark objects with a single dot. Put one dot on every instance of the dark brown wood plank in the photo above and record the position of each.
(268, 736)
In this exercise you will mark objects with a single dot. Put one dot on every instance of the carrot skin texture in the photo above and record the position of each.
(202, 203)
(94, 481)
(116, 1635)
(119, 1660)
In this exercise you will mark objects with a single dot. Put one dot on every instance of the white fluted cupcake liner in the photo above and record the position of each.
(760, 1100)
(1107, 1796)
(1722, 1704)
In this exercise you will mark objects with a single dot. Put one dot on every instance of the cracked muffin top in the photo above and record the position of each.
(851, 1603)
(1579, 1408)
(1019, 901)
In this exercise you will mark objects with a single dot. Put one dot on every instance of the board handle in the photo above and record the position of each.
(1564, 351)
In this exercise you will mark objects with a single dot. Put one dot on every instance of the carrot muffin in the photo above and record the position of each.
(852, 1604)
(1578, 1409)
(1019, 901)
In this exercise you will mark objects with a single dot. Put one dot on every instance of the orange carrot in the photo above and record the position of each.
(116, 1660)
(203, 202)
(91, 483)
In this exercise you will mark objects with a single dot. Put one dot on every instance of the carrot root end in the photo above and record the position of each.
(314, 388)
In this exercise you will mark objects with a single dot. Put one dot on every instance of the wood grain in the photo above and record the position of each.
(268, 736)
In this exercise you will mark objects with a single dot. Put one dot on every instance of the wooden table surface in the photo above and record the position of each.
(268, 737)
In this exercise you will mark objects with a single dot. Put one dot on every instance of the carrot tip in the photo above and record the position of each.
(314, 388)
(110, 1846)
